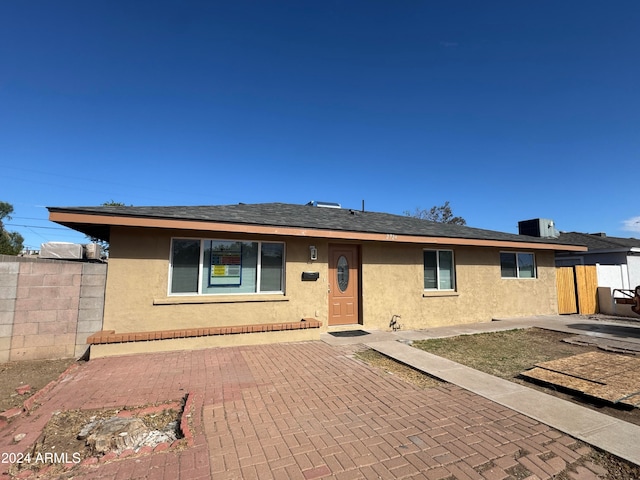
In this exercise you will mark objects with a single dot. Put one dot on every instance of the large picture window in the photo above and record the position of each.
(517, 265)
(209, 267)
(439, 272)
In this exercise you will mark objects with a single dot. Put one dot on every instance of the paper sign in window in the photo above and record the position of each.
(226, 263)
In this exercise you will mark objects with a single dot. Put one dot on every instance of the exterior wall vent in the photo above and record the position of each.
(314, 203)
(538, 227)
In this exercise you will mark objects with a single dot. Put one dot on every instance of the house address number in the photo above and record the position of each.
(392, 236)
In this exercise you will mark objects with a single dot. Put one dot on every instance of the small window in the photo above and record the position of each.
(517, 265)
(439, 273)
(209, 267)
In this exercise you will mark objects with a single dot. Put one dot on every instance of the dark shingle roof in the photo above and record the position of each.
(308, 217)
(599, 242)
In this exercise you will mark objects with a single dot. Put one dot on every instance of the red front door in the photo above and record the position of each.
(343, 284)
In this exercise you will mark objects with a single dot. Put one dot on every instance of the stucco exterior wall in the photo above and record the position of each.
(391, 284)
(137, 287)
(608, 305)
(395, 287)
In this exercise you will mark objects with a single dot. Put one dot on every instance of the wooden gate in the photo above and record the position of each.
(577, 289)
(587, 288)
(566, 287)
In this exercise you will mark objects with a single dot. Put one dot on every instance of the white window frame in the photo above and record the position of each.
(453, 270)
(201, 268)
(518, 277)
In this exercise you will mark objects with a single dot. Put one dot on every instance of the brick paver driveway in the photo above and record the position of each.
(306, 411)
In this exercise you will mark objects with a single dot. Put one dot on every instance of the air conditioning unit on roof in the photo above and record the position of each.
(538, 227)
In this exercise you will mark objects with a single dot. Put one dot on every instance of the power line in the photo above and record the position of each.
(68, 233)
(29, 218)
(37, 234)
(36, 226)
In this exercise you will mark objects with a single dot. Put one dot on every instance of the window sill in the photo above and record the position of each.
(205, 299)
(429, 294)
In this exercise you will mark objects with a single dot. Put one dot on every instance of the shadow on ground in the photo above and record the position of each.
(615, 330)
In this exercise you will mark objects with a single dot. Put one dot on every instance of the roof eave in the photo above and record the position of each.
(600, 251)
(75, 219)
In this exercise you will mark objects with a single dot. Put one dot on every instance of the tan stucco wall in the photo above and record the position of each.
(137, 286)
(395, 287)
(391, 284)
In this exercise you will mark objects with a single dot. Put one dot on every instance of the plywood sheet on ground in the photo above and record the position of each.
(561, 379)
(605, 343)
(607, 376)
(633, 400)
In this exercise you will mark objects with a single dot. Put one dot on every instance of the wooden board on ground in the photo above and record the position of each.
(605, 343)
(606, 376)
(633, 400)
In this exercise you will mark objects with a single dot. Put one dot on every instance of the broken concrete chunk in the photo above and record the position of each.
(23, 389)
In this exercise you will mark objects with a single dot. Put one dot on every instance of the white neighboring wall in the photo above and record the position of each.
(633, 262)
(613, 276)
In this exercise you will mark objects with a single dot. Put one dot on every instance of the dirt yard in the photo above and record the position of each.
(35, 373)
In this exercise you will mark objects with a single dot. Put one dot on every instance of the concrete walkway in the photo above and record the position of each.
(599, 430)
(607, 327)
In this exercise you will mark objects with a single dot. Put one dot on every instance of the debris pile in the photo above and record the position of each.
(117, 434)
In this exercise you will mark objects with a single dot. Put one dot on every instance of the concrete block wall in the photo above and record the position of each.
(91, 306)
(49, 308)
(8, 289)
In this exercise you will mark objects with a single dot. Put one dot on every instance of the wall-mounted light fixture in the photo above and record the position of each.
(313, 253)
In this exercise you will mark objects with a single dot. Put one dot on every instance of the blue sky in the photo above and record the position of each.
(510, 110)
